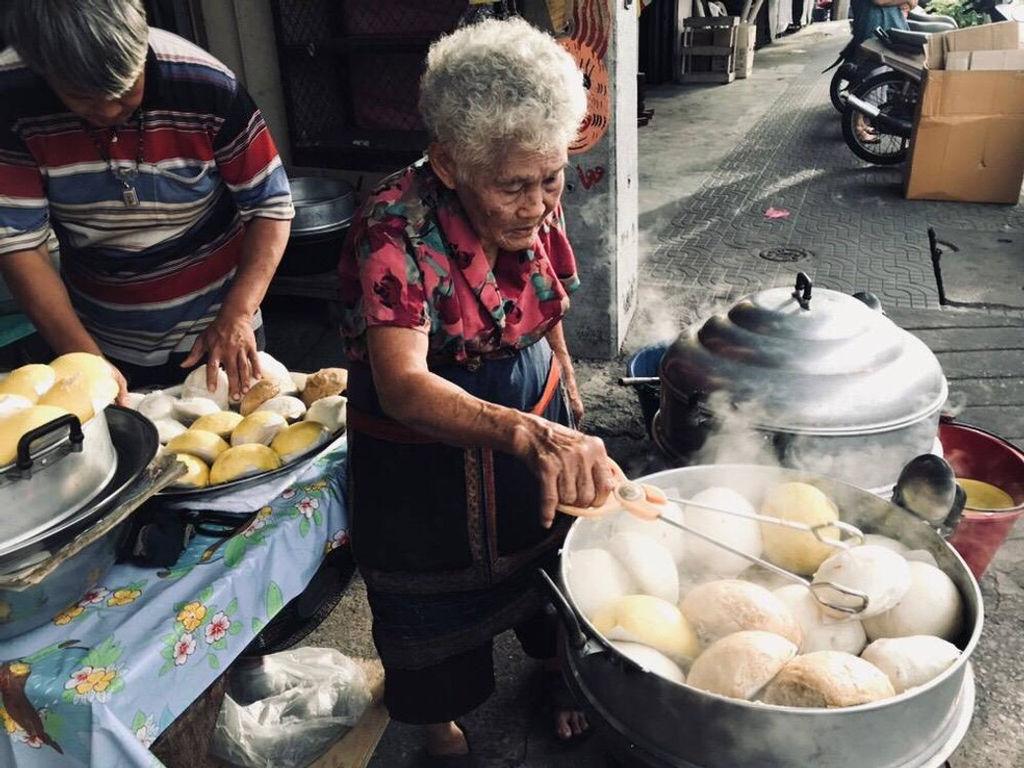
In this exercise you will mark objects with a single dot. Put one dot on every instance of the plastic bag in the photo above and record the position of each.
(290, 708)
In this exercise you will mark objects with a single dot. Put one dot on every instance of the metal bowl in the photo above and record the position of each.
(685, 727)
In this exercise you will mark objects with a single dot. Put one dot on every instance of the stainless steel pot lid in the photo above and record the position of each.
(62, 471)
(135, 440)
(811, 362)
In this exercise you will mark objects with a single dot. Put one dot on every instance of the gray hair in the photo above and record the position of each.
(93, 47)
(500, 82)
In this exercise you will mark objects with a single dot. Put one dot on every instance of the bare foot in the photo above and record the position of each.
(446, 739)
(570, 723)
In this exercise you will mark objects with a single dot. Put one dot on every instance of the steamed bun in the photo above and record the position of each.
(828, 679)
(29, 381)
(798, 551)
(168, 429)
(195, 386)
(931, 606)
(156, 406)
(329, 411)
(13, 403)
(670, 538)
(197, 474)
(821, 632)
(651, 660)
(741, 664)
(744, 535)
(190, 409)
(878, 540)
(273, 370)
(648, 563)
(595, 578)
(719, 608)
(911, 661)
(880, 573)
(649, 621)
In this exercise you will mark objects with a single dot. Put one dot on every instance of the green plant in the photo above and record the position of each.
(960, 10)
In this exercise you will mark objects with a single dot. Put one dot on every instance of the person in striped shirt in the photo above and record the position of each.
(158, 174)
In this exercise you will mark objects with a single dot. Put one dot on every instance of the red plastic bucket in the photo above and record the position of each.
(979, 455)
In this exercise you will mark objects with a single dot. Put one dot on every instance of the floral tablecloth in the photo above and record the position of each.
(99, 683)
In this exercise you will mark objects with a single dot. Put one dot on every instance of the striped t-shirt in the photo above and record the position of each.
(146, 279)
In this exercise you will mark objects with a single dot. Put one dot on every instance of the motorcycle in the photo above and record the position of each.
(878, 113)
(854, 67)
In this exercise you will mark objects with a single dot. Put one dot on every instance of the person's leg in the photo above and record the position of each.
(436, 696)
(540, 637)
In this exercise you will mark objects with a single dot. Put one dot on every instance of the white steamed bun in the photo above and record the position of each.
(911, 661)
(828, 679)
(719, 608)
(649, 564)
(821, 632)
(741, 664)
(880, 573)
(745, 535)
(671, 538)
(931, 606)
(596, 579)
(195, 386)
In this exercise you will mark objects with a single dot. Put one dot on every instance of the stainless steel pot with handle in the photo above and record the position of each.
(683, 727)
(61, 467)
(53, 569)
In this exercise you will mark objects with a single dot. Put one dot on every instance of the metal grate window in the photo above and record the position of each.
(350, 71)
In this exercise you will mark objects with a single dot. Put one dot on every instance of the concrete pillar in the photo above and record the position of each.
(241, 34)
(600, 201)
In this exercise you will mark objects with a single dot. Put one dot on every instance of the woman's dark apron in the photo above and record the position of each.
(448, 539)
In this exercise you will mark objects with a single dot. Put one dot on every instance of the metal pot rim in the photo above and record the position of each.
(861, 429)
(953, 669)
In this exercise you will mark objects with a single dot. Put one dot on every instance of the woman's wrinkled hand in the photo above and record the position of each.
(572, 468)
(228, 342)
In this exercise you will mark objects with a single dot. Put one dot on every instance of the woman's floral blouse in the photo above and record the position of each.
(413, 260)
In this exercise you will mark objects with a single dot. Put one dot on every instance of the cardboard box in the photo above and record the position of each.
(968, 142)
(963, 61)
(746, 36)
(1006, 35)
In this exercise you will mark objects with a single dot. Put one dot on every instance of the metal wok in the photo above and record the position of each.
(661, 723)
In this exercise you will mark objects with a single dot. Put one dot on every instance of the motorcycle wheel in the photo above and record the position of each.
(892, 93)
(839, 85)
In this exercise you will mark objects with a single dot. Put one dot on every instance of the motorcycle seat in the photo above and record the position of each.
(919, 14)
(928, 27)
(902, 41)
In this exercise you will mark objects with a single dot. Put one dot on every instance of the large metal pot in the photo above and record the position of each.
(323, 212)
(61, 468)
(825, 383)
(661, 723)
(51, 569)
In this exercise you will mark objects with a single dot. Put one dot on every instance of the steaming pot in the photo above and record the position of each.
(828, 383)
(656, 722)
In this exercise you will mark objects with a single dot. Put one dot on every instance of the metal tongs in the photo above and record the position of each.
(647, 501)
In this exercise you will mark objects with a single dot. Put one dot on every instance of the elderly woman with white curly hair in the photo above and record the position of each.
(455, 279)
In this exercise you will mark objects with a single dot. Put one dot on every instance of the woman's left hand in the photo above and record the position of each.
(229, 342)
(575, 403)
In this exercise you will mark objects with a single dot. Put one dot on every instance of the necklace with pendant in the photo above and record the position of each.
(125, 176)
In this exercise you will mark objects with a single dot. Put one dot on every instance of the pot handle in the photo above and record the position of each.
(577, 638)
(75, 438)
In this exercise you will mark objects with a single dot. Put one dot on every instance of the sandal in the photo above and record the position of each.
(559, 698)
(468, 760)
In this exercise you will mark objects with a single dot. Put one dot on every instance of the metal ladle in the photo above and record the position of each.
(643, 501)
